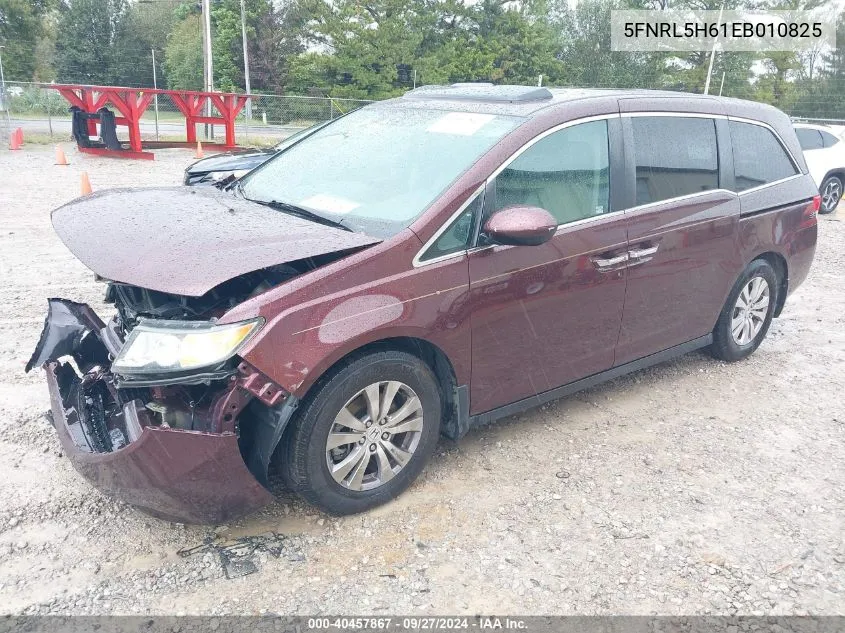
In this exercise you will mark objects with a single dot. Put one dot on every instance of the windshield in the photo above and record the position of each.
(377, 169)
(293, 138)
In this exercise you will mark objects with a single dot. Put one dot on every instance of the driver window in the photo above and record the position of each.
(565, 173)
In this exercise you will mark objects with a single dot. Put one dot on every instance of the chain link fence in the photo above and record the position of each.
(45, 115)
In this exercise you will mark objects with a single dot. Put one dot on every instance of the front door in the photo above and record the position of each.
(546, 315)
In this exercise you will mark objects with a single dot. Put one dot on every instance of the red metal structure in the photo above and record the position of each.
(131, 103)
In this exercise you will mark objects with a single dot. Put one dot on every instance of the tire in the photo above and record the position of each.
(831, 192)
(731, 343)
(305, 457)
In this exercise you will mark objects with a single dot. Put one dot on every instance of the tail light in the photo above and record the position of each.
(808, 217)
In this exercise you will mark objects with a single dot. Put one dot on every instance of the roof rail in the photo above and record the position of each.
(483, 92)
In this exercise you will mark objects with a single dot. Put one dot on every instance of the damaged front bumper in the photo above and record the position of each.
(185, 476)
(177, 452)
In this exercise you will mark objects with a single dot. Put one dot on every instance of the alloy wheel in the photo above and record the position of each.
(374, 435)
(831, 195)
(750, 310)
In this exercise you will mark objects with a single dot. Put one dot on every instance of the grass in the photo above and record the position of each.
(38, 138)
(28, 114)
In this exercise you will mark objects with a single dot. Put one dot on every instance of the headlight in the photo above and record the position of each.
(222, 175)
(173, 346)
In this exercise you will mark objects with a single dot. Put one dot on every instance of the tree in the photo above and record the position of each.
(45, 50)
(363, 44)
(183, 59)
(20, 28)
(586, 54)
(825, 97)
(144, 28)
(86, 45)
(372, 50)
(499, 42)
(778, 84)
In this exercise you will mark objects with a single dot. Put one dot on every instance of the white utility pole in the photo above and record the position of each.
(155, 86)
(246, 63)
(3, 93)
(209, 63)
(713, 52)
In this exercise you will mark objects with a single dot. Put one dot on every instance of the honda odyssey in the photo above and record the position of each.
(416, 268)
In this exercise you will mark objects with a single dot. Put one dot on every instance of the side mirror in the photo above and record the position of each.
(520, 225)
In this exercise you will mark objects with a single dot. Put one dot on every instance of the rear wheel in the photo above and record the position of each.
(365, 434)
(831, 193)
(747, 314)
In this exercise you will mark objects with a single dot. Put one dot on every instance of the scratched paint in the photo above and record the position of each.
(358, 315)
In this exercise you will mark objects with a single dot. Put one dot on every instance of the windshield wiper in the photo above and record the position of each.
(292, 209)
(235, 185)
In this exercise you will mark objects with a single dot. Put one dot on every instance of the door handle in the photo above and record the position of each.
(609, 262)
(640, 253)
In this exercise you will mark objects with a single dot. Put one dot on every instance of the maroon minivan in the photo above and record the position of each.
(418, 267)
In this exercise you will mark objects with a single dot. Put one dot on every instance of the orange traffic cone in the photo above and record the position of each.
(85, 184)
(16, 140)
(61, 159)
(199, 153)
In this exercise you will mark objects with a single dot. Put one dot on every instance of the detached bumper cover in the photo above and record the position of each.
(185, 476)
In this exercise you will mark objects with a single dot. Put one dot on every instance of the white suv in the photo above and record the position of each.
(824, 152)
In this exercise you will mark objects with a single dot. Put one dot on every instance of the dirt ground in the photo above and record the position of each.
(693, 487)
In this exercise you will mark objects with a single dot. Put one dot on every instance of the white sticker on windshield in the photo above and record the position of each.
(462, 123)
(332, 204)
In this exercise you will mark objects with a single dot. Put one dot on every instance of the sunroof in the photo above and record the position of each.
(481, 92)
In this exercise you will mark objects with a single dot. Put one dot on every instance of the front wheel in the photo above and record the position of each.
(831, 192)
(365, 433)
(747, 314)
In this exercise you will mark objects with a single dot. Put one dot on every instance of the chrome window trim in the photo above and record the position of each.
(542, 135)
(560, 228)
(416, 262)
(681, 115)
(686, 196)
(728, 118)
(603, 117)
(587, 220)
(770, 184)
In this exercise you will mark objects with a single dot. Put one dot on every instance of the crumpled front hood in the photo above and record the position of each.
(186, 241)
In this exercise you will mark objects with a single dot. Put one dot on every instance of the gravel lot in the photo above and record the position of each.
(690, 488)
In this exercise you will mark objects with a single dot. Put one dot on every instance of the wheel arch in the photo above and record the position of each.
(452, 395)
(839, 172)
(778, 262)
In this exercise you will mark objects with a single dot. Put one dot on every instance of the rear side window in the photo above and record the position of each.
(674, 156)
(759, 158)
(809, 139)
(829, 139)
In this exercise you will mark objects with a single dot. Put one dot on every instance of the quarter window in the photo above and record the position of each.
(457, 237)
(829, 139)
(759, 158)
(567, 173)
(674, 156)
(809, 138)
